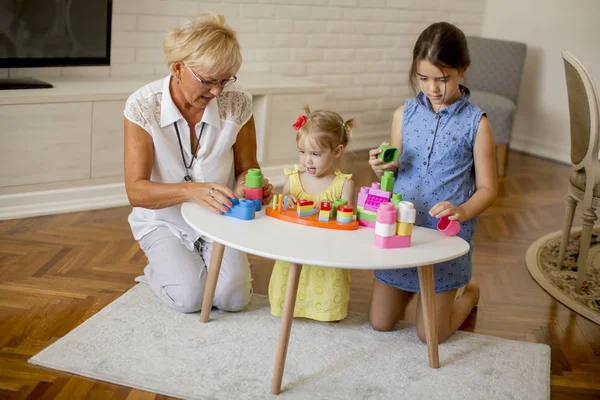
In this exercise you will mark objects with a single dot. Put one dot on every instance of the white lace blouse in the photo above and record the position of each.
(152, 108)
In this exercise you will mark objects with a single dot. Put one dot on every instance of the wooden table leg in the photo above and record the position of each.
(211, 281)
(428, 299)
(286, 326)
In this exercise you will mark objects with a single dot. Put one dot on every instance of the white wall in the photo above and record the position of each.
(361, 49)
(547, 27)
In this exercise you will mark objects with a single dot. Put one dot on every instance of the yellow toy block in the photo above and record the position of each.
(404, 228)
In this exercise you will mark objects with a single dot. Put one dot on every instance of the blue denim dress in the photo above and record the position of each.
(437, 165)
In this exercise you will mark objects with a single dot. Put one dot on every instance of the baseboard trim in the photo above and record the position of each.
(541, 149)
(99, 196)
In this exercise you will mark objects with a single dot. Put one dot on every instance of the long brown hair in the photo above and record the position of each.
(443, 45)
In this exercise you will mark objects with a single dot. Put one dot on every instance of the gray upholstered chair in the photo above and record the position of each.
(584, 183)
(494, 79)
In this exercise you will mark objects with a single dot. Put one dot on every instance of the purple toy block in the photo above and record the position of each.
(368, 224)
(362, 196)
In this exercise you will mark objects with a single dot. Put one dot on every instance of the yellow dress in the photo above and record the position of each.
(323, 293)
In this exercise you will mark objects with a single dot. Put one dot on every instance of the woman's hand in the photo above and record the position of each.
(267, 191)
(377, 164)
(444, 208)
(213, 196)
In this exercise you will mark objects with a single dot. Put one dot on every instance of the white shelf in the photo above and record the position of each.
(75, 89)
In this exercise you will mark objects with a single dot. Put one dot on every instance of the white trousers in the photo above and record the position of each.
(178, 275)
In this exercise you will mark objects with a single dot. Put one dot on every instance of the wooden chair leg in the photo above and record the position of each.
(286, 326)
(427, 287)
(589, 217)
(502, 158)
(570, 213)
(211, 281)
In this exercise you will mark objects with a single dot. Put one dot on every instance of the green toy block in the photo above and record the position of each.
(335, 205)
(396, 199)
(254, 178)
(387, 181)
(366, 215)
(388, 153)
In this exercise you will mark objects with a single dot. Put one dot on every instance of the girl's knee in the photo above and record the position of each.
(234, 296)
(183, 298)
(381, 324)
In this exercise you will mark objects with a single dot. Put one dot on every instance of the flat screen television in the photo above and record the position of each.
(53, 33)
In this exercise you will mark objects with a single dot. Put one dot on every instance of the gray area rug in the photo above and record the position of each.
(137, 341)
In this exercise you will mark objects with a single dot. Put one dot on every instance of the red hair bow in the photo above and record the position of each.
(299, 122)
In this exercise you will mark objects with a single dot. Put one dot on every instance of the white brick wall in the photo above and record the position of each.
(360, 49)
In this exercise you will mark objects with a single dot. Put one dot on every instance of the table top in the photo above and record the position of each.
(271, 238)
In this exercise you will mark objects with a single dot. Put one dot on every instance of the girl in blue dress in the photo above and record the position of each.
(447, 168)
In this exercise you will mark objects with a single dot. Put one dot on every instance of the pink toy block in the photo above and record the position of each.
(254, 193)
(386, 214)
(362, 196)
(368, 224)
(392, 242)
(450, 228)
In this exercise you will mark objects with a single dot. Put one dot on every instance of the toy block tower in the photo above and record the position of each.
(325, 211)
(345, 214)
(254, 187)
(393, 227)
(305, 208)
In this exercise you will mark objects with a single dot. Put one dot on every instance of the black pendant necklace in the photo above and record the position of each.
(188, 176)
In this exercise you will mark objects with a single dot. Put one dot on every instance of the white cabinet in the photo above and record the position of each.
(62, 148)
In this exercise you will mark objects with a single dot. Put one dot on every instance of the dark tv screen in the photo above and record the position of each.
(42, 33)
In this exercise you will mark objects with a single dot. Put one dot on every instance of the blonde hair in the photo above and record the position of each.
(326, 129)
(205, 42)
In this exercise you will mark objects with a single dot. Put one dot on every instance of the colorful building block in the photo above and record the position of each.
(404, 228)
(371, 198)
(450, 228)
(406, 212)
(254, 193)
(241, 209)
(345, 214)
(387, 181)
(396, 199)
(255, 179)
(388, 153)
(365, 218)
(392, 242)
(393, 226)
(325, 211)
(275, 202)
(335, 205)
(305, 208)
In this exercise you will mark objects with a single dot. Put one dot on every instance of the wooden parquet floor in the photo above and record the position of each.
(57, 271)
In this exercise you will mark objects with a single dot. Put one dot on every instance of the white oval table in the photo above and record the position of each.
(278, 240)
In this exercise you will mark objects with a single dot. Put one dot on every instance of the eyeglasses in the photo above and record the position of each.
(212, 84)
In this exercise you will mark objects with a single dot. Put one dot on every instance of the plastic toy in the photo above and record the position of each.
(314, 219)
(254, 187)
(305, 208)
(450, 228)
(241, 209)
(345, 214)
(387, 181)
(324, 211)
(393, 226)
(388, 153)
